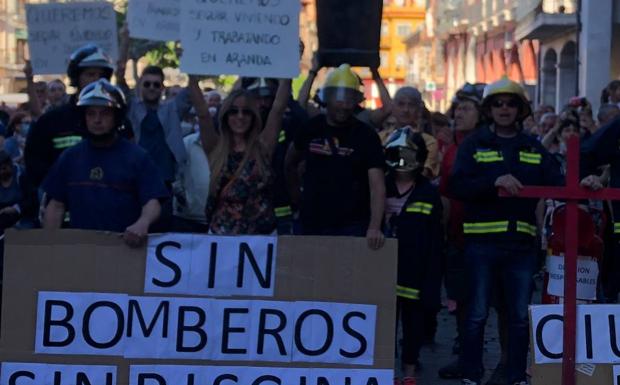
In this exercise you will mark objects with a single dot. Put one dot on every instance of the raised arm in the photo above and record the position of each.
(123, 52)
(33, 100)
(306, 88)
(380, 114)
(269, 136)
(208, 135)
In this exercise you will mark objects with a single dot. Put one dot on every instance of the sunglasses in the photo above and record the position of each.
(505, 103)
(148, 84)
(235, 111)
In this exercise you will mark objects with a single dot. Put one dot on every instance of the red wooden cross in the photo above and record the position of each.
(572, 193)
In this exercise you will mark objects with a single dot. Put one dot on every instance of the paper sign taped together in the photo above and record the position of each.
(587, 277)
(247, 38)
(56, 30)
(157, 20)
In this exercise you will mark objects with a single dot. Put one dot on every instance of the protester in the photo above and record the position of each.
(387, 128)
(192, 188)
(240, 155)
(500, 232)
(343, 184)
(467, 117)
(105, 182)
(17, 132)
(547, 123)
(612, 94)
(413, 215)
(294, 118)
(13, 193)
(157, 129)
(56, 93)
(599, 150)
(408, 108)
(60, 128)
(442, 132)
(607, 113)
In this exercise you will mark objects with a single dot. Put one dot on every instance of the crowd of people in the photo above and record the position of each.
(258, 161)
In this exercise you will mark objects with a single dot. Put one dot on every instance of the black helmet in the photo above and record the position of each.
(471, 92)
(263, 87)
(87, 56)
(102, 93)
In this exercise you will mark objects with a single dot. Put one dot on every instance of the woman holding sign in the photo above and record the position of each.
(241, 196)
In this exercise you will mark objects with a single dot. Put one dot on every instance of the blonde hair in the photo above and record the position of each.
(254, 149)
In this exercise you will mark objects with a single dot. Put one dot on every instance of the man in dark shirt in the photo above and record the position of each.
(106, 182)
(343, 185)
(294, 118)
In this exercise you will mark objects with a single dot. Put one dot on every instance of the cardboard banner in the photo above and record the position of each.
(81, 307)
(598, 343)
(56, 30)
(587, 277)
(157, 20)
(248, 38)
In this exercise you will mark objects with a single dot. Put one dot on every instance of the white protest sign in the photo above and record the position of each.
(248, 38)
(56, 30)
(204, 328)
(176, 375)
(48, 374)
(598, 334)
(616, 377)
(210, 265)
(587, 276)
(157, 20)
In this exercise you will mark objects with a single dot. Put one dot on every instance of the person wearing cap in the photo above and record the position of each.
(413, 215)
(294, 117)
(343, 184)
(500, 232)
(60, 128)
(105, 182)
(408, 108)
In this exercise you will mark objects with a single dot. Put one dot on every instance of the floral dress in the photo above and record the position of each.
(243, 203)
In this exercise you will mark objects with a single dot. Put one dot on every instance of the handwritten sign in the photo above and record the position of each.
(157, 20)
(56, 30)
(587, 276)
(243, 37)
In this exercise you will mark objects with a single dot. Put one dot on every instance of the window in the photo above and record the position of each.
(401, 61)
(385, 28)
(385, 59)
(403, 30)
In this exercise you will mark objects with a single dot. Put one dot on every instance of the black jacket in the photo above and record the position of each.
(420, 242)
(481, 159)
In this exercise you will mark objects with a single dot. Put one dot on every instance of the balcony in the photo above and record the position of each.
(544, 19)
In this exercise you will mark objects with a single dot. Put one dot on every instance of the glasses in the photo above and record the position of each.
(244, 111)
(505, 103)
(149, 84)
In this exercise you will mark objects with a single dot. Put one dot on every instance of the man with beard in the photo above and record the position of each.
(343, 184)
(106, 182)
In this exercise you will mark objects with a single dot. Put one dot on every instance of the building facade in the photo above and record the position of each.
(400, 19)
(13, 47)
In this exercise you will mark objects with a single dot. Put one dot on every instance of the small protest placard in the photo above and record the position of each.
(616, 375)
(83, 308)
(587, 277)
(248, 38)
(56, 30)
(157, 20)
